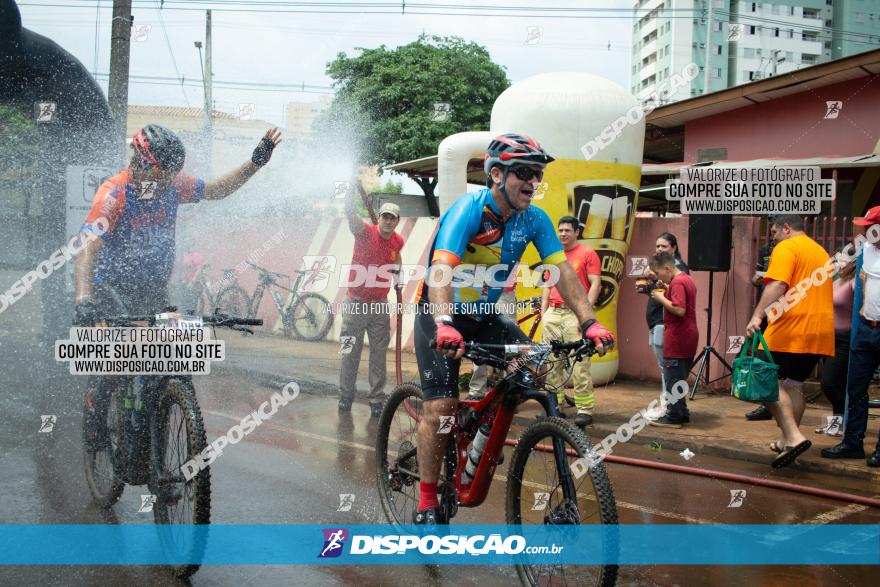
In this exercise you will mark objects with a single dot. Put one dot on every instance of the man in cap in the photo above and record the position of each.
(864, 355)
(365, 308)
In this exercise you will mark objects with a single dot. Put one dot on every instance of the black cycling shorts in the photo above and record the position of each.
(439, 374)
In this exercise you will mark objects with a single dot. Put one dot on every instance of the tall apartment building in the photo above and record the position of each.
(735, 42)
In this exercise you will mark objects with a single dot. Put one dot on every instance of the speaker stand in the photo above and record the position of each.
(705, 356)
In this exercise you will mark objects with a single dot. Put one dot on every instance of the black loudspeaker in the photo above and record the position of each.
(709, 242)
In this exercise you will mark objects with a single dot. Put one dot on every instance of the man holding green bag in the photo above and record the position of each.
(801, 333)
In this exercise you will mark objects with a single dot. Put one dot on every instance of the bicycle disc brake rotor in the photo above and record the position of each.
(410, 463)
(565, 513)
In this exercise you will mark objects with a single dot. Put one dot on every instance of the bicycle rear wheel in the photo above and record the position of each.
(397, 469)
(309, 318)
(179, 436)
(233, 301)
(538, 494)
(103, 442)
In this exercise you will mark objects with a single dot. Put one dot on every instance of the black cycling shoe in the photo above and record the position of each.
(874, 459)
(429, 517)
(344, 405)
(759, 413)
(375, 410)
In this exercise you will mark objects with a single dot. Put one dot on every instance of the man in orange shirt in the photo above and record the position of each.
(800, 335)
(560, 323)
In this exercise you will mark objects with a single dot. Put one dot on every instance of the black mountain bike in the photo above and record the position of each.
(153, 426)
(307, 316)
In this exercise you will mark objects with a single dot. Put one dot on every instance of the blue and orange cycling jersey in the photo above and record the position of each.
(483, 248)
(138, 249)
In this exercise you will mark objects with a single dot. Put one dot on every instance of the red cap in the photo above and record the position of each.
(872, 217)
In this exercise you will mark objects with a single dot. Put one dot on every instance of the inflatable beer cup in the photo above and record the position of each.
(595, 129)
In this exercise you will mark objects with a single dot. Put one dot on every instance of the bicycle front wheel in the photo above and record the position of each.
(539, 493)
(309, 318)
(103, 414)
(397, 468)
(178, 437)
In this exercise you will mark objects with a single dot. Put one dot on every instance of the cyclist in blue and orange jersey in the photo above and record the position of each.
(135, 213)
(479, 240)
(126, 270)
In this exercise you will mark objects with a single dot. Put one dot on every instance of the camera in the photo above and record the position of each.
(645, 285)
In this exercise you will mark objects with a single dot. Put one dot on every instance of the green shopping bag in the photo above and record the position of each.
(754, 379)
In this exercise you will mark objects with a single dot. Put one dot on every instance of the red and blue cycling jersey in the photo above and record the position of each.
(138, 249)
(484, 249)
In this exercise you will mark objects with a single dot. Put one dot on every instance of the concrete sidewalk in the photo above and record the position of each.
(718, 426)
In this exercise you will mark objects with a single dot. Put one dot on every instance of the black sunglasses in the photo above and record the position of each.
(527, 173)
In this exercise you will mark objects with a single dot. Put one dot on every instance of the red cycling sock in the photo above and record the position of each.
(427, 496)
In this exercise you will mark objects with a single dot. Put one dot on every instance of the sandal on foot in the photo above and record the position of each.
(776, 447)
(790, 453)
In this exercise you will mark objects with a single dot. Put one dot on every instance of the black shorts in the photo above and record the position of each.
(438, 373)
(796, 366)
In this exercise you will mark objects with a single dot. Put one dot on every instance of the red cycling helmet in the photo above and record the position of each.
(511, 148)
(157, 146)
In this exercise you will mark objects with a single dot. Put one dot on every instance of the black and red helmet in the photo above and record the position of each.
(511, 148)
(157, 146)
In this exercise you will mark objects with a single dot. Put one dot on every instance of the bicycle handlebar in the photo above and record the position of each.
(266, 271)
(217, 319)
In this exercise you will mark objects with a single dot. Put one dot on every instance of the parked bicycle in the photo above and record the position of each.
(153, 426)
(206, 294)
(307, 316)
(541, 464)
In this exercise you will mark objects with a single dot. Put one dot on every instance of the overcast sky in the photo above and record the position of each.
(295, 48)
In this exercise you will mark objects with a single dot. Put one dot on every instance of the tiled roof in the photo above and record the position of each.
(177, 111)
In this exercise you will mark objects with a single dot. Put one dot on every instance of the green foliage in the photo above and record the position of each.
(385, 98)
(21, 142)
(391, 187)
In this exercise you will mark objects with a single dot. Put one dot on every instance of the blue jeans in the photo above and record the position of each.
(675, 370)
(864, 356)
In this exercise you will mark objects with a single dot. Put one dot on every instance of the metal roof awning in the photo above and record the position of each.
(794, 82)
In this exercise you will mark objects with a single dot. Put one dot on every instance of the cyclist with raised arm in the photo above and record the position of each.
(135, 214)
(487, 231)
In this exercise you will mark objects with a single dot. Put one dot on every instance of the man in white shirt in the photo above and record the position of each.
(864, 355)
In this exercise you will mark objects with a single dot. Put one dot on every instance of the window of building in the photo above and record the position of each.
(716, 25)
(716, 72)
(752, 29)
(789, 56)
(754, 6)
(860, 17)
(776, 32)
(748, 52)
(718, 50)
(790, 33)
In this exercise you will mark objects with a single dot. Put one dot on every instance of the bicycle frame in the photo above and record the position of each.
(262, 285)
(474, 494)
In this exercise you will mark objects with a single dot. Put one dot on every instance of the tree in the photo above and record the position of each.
(391, 105)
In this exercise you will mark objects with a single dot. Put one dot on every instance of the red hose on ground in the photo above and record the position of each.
(712, 474)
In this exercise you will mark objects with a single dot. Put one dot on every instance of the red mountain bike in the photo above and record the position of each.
(543, 487)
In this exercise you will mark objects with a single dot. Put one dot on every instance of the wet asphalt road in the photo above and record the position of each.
(292, 469)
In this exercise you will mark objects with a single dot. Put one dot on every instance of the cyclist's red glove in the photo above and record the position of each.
(448, 338)
(594, 331)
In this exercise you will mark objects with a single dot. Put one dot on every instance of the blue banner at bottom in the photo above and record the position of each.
(831, 544)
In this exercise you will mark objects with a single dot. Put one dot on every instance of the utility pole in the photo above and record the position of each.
(209, 100)
(707, 70)
(117, 89)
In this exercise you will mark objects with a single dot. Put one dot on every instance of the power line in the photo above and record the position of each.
(230, 84)
(171, 52)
